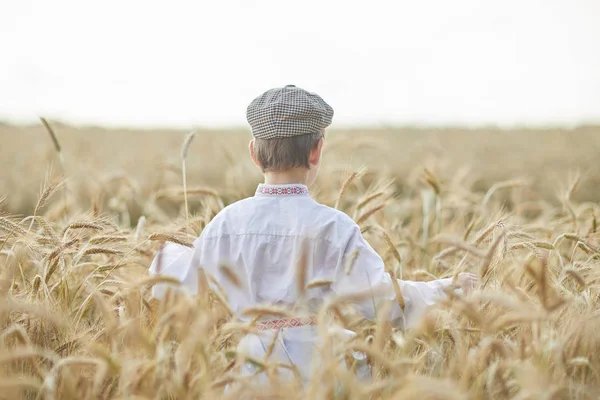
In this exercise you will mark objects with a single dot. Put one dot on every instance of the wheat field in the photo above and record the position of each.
(83, 214)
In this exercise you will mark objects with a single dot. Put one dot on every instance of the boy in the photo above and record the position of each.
(262, 238)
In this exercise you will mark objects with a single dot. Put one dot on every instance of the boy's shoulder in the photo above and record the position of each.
(231, 211)
(240, 213)
(335, 214)
(330, 223)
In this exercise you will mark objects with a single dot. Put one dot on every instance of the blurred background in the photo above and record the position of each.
(490, 90)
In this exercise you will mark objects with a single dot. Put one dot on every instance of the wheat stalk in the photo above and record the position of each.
(576, 276)
(52, 136)
(169, 238)
(107, 239)
(54, 254)
(184, 153)
(100, 250)
(351, 261)
(317, 283)
(302, 270)
(501, 185)
(11, 227)
(266, 311)
(46, 194)
(58, 149)
(85, 225)
(139, 230)
(368, 213)
(391, 245)
(354, 175)
(230, 276)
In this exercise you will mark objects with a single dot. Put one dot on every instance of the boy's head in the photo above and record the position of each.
(288, 125)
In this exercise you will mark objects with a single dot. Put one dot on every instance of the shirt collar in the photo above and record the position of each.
(287, 190)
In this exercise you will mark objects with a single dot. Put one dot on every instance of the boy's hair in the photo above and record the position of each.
(279, 154)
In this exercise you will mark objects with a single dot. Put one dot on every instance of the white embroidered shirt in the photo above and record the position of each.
(261, 240)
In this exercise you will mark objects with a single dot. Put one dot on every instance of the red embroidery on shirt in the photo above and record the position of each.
(282, 191)
(286, 323)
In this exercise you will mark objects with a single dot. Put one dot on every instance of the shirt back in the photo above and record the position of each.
(274, 243)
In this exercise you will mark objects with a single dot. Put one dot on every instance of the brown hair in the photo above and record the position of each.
(285, 153)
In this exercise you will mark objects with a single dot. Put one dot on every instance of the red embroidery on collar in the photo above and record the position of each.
(282, 190)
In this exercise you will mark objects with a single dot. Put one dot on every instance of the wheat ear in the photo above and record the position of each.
(184, 152)
(53, 137)
(347, 182)
(58, 149)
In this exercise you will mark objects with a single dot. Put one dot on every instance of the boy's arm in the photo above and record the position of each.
(172, 260)
(229, 279)
(362, 269)
(182, 263)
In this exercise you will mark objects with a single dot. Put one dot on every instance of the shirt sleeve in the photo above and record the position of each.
(183, 263)
(420, 295)
(210, 257)
(362, 269)
(174, 261)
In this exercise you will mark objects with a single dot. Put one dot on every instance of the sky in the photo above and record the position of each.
(199, 63)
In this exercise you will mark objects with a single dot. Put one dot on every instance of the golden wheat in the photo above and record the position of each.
(77, 319)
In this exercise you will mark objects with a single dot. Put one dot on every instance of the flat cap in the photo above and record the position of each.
(286, 112)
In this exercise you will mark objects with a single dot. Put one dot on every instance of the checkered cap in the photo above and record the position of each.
(286, 112)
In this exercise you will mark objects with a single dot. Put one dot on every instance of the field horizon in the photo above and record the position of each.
(516, 154)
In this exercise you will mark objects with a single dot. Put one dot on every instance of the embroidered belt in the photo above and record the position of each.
(286, 323)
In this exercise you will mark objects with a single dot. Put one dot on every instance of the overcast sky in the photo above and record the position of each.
(186, 63)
